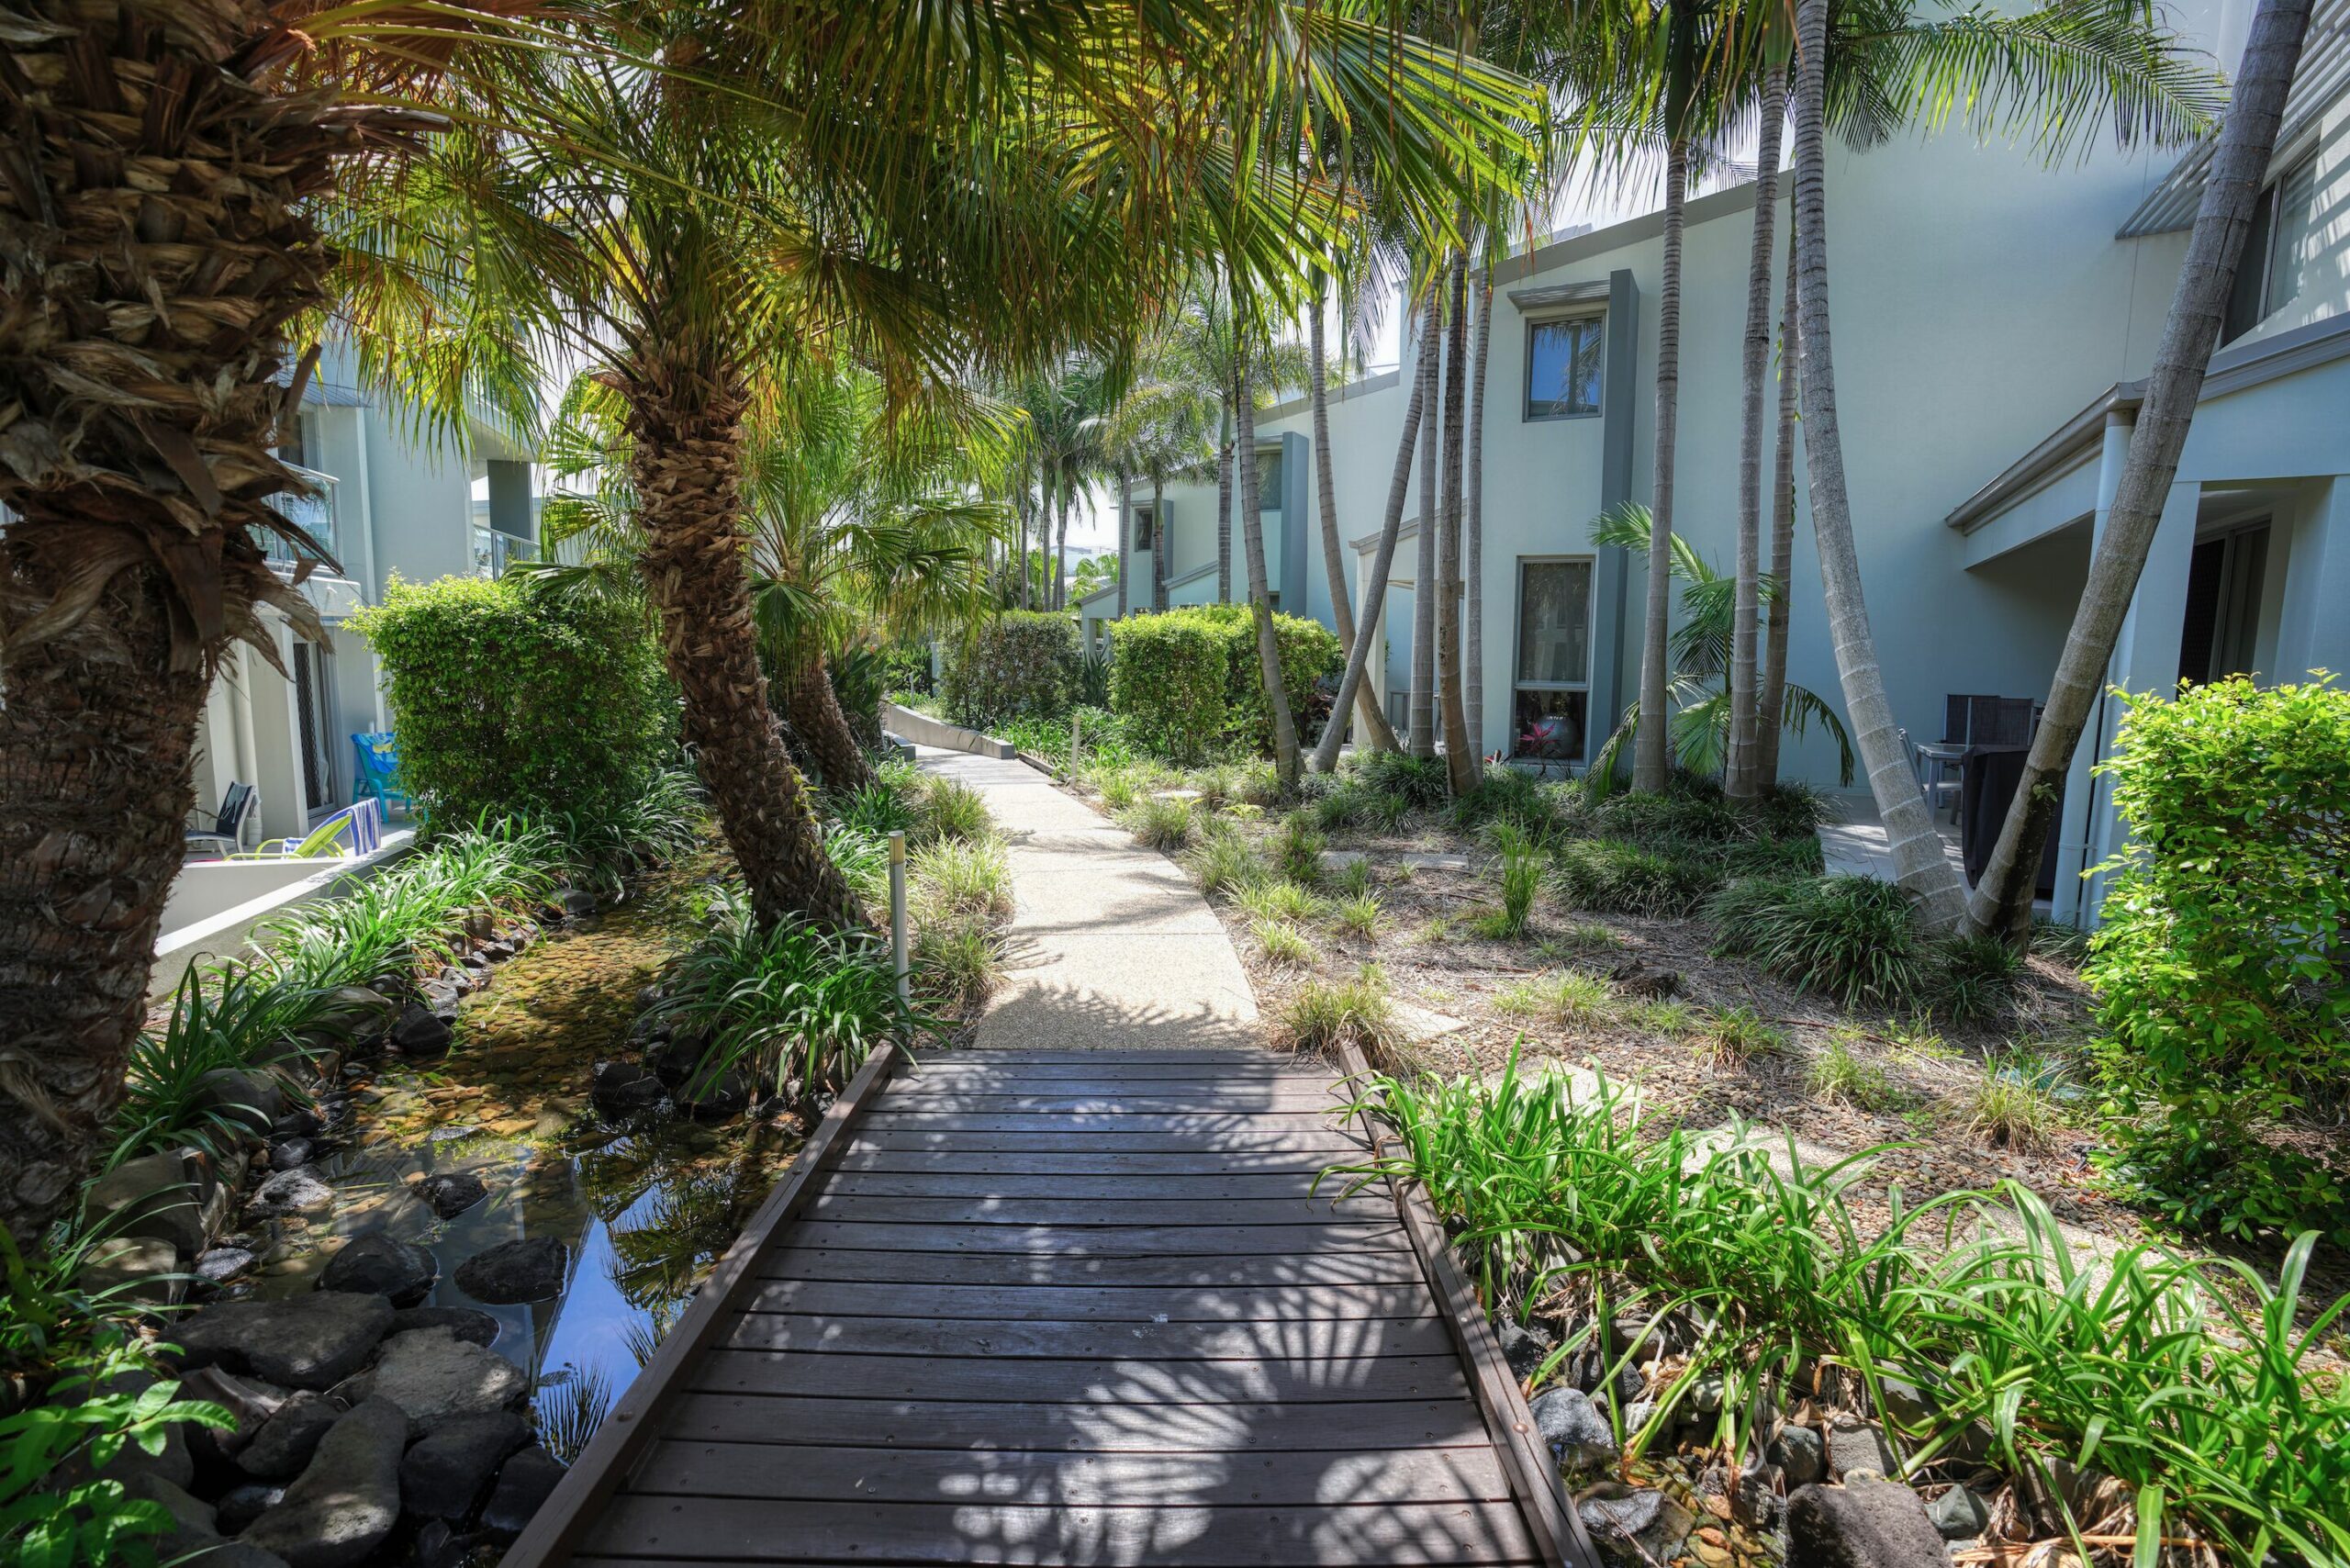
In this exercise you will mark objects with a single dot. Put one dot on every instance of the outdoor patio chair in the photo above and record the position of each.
(325, 842)
(221, 837)
(377, 776)
(1937, 766)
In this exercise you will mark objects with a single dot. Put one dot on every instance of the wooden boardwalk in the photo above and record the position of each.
(1073, 1308)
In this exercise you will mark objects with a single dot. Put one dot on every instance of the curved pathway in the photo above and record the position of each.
(1110, 945)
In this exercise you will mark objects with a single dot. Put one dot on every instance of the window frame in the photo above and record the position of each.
(2267, 212)
(1591, 650)
(1594, 319)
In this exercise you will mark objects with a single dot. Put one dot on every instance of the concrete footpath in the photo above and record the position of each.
(1109, 944)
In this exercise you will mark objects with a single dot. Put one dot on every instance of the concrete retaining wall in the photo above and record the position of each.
(923, 730)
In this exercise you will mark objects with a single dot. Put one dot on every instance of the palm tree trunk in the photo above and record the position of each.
(1159, 544)
(820, 726)
(1459, 748)
(158, 244)
(1738, 772)
(1224, 505)
(1420, 732)
(1125, 532)
(1368, 714)
(1021, 514)
(1651, 751)
(1919, 864)
(1382, 561)
(2002, 901)
(684, 424)
(1472, 538)
(1771, 708)
(1260, 597)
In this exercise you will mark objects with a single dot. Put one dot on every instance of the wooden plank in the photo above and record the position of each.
(1321, 1339)
(1124, 1124)
(745, 1530)
(1107, 1381)
(1282, 1477)
(1121, 1055)
(1124, 1241)
(1075, 1428)
(1208, 1150)
(1557, 1528)
(1137, 1208)
(555, 1532)
(1135, 1100)
(1084, 1303)
(864, 1156)
(1186, 1185)
(1205, 1084)
(966, 1070)
(1212, 1269)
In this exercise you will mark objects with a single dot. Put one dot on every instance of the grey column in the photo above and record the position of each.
(509, 499)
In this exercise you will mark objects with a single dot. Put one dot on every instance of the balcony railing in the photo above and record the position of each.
(494, 552)
(316, 513)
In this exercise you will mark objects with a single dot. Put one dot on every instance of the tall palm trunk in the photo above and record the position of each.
(1771, 706)
(1126, 535)
(1368, 714)
(1020, 515)
(156, 249)
(1382, 561)
(1919, 864)
(685, 422)
(2002, 901)
(1223, 503)
(1460, 749)
(822, 728)
(1472, 536)
(1651, 751)
(1067, 487)
(1160, 540)
(1739, 775)
(1420, 732)
(1260, 597)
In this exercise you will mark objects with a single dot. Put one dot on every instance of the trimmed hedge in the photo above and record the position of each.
(1021, 664)
(509, 700)
(1190, 683)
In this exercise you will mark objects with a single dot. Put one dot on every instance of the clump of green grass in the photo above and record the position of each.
(2059, 940)
(1583, 937)
(1568, 996)
(1359, 914)
(1521, 879)
(953, 810)
(1738, 1034)
(1162, 822)
(1327, 1014)
(961, 877)
(1437, 929)
(1225, 863)
(1420, 781)
(1281, 943)
(1661, 1016)
(1618, 877)
(1851, 937)
(1511, 798)
(1297, 847)
(1842, 1076)
(2011, 1106)
(1119, 789)
(1354, 880)
(1973, 978)
(1274, 900)
(959, 961)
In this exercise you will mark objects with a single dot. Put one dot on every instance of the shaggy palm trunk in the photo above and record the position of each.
(1919, 864)
(685, 422)
(1224, 506)
(1739, 775)
(822, 729)
(1473, 534)
(1125, 532)
(1261, 598)
(1652, 753)
(155, 249)
(2002, 901)
(1020, 516)
(1368, 714)
(1459, 748)
(1158, 544)
(1382, 561)
(1420, 732)
(1771, 704)
(1067, 488)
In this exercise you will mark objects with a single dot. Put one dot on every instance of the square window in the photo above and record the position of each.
(1563, 367)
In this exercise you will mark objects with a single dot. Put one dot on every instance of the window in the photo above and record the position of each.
(2281, 252)
(1551, 704)
(1563, 367)
(1144, 521)
(1268, 480)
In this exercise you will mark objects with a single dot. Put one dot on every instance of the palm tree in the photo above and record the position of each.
(1160, 429)
(1741, 779)
(2002, 904)
(1376, 729)
(1420, 733)
(1772, 700)
(1260, 602)
(1460, 748)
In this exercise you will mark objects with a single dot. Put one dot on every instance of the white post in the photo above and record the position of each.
(898, 911)
(1075, 721)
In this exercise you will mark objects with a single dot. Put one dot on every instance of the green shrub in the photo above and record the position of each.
(1509, 798)
(1616, 877)
(1521, 878)
(1973, 976)
(1276, 900)
(1851, 937)
(1297, 849)
(956, 961)
(953, 809)
(1738, 1034)
(1671, 816)
(1190, 682)
(1357, 913)
(2010, 1106)
(1790, 808)
(1569, 996)
(960, 877)
(1325, 1014)
(2222, 996)
(1842, 1075)
(1225, 863)
(511, 700)
(1160, 822)
(1420, 781)
(1021, 664)
(1281, 943)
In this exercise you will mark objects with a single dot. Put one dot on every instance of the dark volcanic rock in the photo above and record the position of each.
(221, 1264)
(1869, 1523)
(377, 1264)
(516, 1272)
(288, 1439)
(421, 1035)
(469, 1324)
(523, 1486)
(242, 1504)
(252, 1100)
(347, 1502)
(451, 1193)
(288, 1153)
(623, 1088)
(1801, 1457)
(306, 1341)
(1524, 1348)
(445, 1475)
(433, 1375)
(296, 1192)
(707, 1096)
(1579, 1435)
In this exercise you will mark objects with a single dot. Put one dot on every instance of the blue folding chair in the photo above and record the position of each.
(377, 777)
